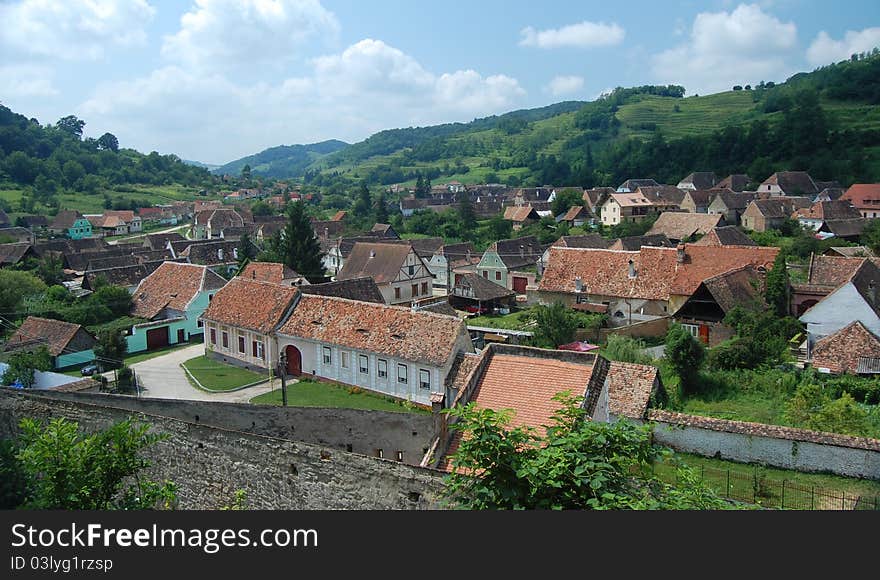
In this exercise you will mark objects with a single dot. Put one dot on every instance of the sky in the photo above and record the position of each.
(215, 80)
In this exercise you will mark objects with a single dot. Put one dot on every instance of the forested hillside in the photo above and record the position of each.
(282, 161)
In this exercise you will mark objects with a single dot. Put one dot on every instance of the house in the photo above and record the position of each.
(850, 252)
(72, 224)
(127, 277)
(576, 216)
(409, 205)
(624, 207)
(815, 216)
(526, 380)
(132, 221)
(851, 350)
(644, 284)
(593, 198)
(846, 229)
(200, 205)
(584, 241)
(68, 344)
(361, 289)
(160, 241)
(241, 320)
(634, 243)
(209, 223)
(737, 182)
(703, 313)
(824, 274)
(13, 254)
(221, 256)
(767, 214)
(631, 185)
(865, 197)
(725, 236)
(17, 235)
(682, 226)
(663, 197)
(829, 194)
(103, 225)
(521, 215)
(854, 300)
(172, 299)
(730, 204)
(512, 263)
(272, 272)
(384, 232)
(474, 291)
(387, 349)
(450, 257)
(700, 180)
(401, 275)
(788, 183)
(696, 201)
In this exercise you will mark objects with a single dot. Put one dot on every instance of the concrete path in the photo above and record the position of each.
(163, 378)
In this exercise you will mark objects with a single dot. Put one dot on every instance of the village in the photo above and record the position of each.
(421, 324)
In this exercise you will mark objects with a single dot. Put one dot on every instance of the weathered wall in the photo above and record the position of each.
(209, 464)
(364, 431)
(784, 447)
(656, 327)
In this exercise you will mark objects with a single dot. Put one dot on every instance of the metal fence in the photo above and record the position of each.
(755, 487)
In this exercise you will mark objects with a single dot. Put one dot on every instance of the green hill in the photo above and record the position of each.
(826, 122)
(282, 161)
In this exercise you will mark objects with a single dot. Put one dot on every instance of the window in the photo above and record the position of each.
(379, 453)
(225, 340)
(200, 324)
(397, 293)
(415, 289)
(210, 297)
(401, 374)
(693, 329)
(344, 359)
(498, 275)
(213, 336)
(400, 455)
(424, 379)
(382, 368)
(364, 364)
(424, 287)
(485, 274)
(241, 344)
(258, 349)
(327, 358)
(411, 270)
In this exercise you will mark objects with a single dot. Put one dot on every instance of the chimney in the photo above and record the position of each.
(578, 284)
(372, 253)
(522, 251)
(679, 254)
(632, 269)
(326, 233)
(220, 253)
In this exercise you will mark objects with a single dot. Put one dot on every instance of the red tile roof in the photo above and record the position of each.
(658, 274)
(172, 285)
(629, 389)
(251, 304)
(391, 330)
(864, 195)
(269, 272)
(55, 334)
(681, 225)
(840, 352)
(828, 210)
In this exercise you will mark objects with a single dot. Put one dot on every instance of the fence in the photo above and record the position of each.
(755, 487)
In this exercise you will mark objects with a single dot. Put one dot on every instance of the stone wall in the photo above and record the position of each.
(354, 430)
(648, 328)
(784, 447)
(209, 464)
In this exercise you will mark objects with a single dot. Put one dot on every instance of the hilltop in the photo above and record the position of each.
(282, 161)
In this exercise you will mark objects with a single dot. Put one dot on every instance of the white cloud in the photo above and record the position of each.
(565, 85)
(368, 87)
(72, 29)
(744, 46)
(26, 81)
(826, 50)
(221, 34)
(582, 35)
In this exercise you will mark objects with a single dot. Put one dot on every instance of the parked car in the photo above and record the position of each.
(89, 370)
(477, 309)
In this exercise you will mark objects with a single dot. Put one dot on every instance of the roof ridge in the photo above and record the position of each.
(377, 305)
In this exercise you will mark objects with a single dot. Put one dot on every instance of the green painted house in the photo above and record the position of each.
(512, 263)
(72, 224)
(68, 344)
(172, 299)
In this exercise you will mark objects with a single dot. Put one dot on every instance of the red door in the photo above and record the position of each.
(180, 335)
(519, 284)
(704, 334)
(157, 338)
(294, 361)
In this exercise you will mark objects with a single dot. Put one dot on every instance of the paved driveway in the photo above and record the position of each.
(162, 378)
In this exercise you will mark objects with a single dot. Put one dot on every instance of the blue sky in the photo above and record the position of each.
(214, 80)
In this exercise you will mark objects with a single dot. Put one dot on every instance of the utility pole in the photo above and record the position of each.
(282, 372)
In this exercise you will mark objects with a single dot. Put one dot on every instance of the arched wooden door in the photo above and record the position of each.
(294, 361)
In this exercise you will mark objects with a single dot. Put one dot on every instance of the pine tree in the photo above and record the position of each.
(467, 215)
(381, 208)
(299, 246)
(245, 251)
(776, 292)
(362, 205)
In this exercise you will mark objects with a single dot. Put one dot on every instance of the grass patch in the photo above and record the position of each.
(513, 321)
(142, 356)
(764, 485)
(217, 376)
(313, 394)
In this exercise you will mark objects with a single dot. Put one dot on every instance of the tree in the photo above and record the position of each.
(626, 349)
(381, 208)
(566, 199)
(110, 349)
(579, 464)
(71, 126)
(362, 205)
(776, 292)
(50, 270)
(67, 469)
(22, 365)
(555, 325)
(108, 142)
(299, 248)
(871, 235)
(685, 354)
(245, 251)
(15, 287)
(246, 172)
(467, 215)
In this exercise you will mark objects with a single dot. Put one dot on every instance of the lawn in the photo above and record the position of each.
(216, 376)
(513, 321)
(764, 485)
(313, 394)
